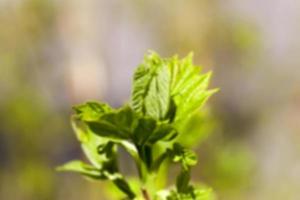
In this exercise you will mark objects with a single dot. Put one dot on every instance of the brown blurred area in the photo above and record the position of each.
(54, 54)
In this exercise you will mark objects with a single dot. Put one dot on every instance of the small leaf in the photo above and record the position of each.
(114, 125)
(124, 186)
(150, 131)
(193, 193)
(144, 130)
(120, 182)
(188, 87)
(106, 130)
(158, 96)
(131, 149)
(89, 142)
(164, 132)
(82, 168)
(91, 111)
(169, 89)
(151, 87)
(203, 193)
(186, 157)
(159, 160)
(182, 181)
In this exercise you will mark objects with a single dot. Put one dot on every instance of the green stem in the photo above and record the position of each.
(145, 194)
(144, 166)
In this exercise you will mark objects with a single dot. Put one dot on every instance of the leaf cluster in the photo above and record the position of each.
(166, 92)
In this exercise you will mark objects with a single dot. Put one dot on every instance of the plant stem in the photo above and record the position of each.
(144, 165)
(145, 194)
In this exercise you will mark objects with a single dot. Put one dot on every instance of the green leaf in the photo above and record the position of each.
(82, 168)
(91, 111)
(150, 131)
(158, 97)
(115, 125)
(182, 181)
(89, 143)
(193, 193)
(163, 132)
(131, 149)
(124, 186)
(143, 130)
(125, 124)
(160, 159)
(188, 87)
(186, 157)
(151, 87)
(199, 193)
(169, 88)
(202, 193)
(121, 183)
(94, 173)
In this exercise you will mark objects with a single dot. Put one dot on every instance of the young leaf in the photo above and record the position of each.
(186, 157)
(193, 193)
(203, 193)
(188, 87)
(115, 125)
(163, 132)
(124, 186)
(200, 193)
(91, 111)
(182, 181)
(121, 183)
(158, 97)
(151, 87)
(94, 173)
(169, 88)
(82, 168)
(89, 142)
(143, 130)
(150, 131)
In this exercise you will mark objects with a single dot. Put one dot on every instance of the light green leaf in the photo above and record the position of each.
(186, 157)
(169, 88)
(91, 111)
(151, 87)
(115, 125)
(150, 131)
(144, 130)
(89, 142)
(203, 193)
(193, 193)
(131, 149)
(94, 173)
(82, 168)
(158, 97)
(124, 186)
(182, 181)
(188, 87)
(163, 132)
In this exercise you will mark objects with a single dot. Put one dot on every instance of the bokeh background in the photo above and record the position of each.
(56, 53)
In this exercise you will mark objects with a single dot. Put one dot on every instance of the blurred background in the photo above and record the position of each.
(56, 53)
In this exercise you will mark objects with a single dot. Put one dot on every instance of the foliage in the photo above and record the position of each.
(166, 93)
